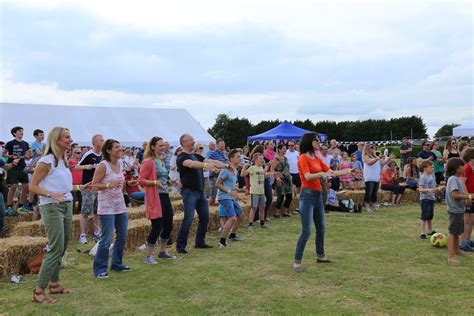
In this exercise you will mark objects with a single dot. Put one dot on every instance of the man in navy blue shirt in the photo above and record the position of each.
(426, 154)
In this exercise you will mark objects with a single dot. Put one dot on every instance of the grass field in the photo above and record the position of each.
(381, 268)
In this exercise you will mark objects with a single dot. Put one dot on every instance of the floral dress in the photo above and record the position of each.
(283, 171)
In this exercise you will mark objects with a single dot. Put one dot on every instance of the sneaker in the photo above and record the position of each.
(267, 219)
(150, 260)
(123, 268)
(236, 238)
(250, 228)
(264, 226)
(221, 245)
(422, 236)
(466, 248)
(298, 269)
(181, 250)
(432, 233)
(166, 256)
(25, 208)
(220, 229)
(83, 239)
(10, 211)
(103, 275)
(471, 243)
(96, 236)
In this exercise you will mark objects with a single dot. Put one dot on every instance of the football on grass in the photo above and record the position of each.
(438, 240)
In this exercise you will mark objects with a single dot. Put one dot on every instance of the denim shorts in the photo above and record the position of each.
(230, 208)
(427, 209)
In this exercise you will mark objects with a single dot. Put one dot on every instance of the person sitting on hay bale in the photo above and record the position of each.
(389, 181)
(333, 203)
(6, 166)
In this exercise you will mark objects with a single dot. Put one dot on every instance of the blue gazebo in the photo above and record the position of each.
(285, 131)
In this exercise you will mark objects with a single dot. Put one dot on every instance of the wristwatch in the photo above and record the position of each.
(48, 195)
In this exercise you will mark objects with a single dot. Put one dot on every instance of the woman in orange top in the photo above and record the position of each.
(312, 169)
(389, 182)
(154, 178)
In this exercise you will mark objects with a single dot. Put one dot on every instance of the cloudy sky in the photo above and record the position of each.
(336, 60)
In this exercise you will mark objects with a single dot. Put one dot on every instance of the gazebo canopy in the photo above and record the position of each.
(284, 131)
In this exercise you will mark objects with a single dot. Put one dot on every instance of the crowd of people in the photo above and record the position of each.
(100, 181)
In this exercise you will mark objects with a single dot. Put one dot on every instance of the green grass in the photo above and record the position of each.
(381, 268)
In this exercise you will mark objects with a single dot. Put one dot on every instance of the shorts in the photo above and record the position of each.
(257, 200)
(456, 223)
(16, 176)
(295, 178)
(470, 210)
(89, 203)
(427, 209)
(230, 207)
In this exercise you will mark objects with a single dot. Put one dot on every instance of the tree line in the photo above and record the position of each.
(236, 130)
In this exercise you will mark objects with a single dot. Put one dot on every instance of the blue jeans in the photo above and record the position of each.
(2, 213)
(193, 200)
(138, 196)
(107, 223)
(311, 210)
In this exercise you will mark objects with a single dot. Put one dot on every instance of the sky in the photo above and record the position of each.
(318, 60)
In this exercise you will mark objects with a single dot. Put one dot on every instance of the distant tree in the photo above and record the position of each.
(233, 131)
(446, 130)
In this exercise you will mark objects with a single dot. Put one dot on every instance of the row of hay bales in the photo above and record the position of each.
(409, 197)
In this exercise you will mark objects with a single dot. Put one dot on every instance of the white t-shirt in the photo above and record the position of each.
(59, 179)
(372, 172)
(292, 157)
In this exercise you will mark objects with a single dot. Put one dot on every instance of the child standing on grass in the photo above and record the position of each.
(455, 196)
(257, 190)
(427, 188)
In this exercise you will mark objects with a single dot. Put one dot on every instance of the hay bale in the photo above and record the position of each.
(175, 196)
(178, 206)
(11, 221)
(138, 231)
(136, 213)
(15, 251)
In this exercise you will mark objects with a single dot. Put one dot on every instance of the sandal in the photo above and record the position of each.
(58, 289)
(40, 297)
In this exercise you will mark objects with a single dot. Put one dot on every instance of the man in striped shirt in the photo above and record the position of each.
(217, 154)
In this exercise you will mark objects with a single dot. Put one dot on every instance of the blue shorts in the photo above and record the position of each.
(427, 209)
(229, 208)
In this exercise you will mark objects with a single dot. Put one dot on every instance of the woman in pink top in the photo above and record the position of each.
(346, 179)
(109, 180)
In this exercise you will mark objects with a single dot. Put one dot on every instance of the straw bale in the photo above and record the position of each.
(175, 196)
(136, 212)
(138, 231)
(178, 206)
(11, 221)
(15, 251)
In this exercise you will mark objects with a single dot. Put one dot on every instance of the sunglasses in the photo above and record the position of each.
(78, 152)
(201, 147)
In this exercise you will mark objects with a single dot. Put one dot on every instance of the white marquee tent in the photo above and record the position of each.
(129, 125)
(466, 129)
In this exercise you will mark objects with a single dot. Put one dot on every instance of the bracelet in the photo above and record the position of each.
(228, 192)
(78, 187)
(470, 197)
(108, 185)
(205, 165)
(154, 183)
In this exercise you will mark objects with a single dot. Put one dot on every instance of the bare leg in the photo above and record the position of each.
(24, 193)
(96, 224)
(83, 224)
(453, 243)
(11, 194)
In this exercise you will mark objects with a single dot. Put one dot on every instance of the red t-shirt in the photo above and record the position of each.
(130, 188)
(469, 174)
(315, 165)
(76, 174)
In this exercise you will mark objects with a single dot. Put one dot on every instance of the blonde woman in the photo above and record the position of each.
(52, 182)
(372, 170)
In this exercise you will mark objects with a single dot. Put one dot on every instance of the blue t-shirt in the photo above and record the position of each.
(162, 175)
(229, 179)
(334, 164)
(359, 155)
(36, 146)
(427, 182)
(356, 165)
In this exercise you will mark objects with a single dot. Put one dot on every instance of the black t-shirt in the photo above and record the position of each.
(89, 158)
(190, 178)
(17, 149)
(405, 147)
